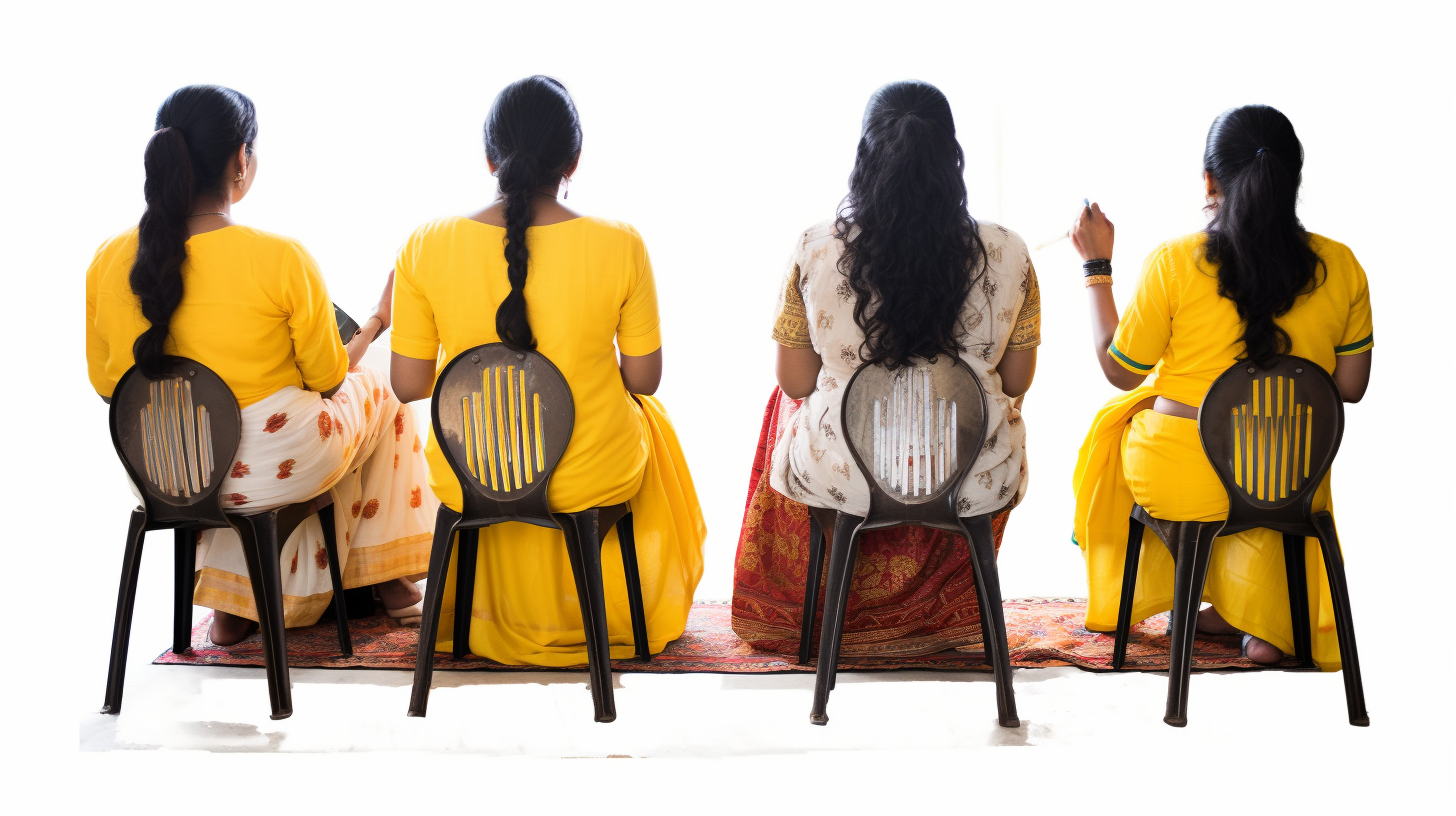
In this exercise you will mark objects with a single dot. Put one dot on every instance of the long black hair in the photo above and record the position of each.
(1263, 254)
(533, 137)
(912, 252)
(199, 128)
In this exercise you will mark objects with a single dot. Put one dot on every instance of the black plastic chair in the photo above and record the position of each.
(177, 437)
(503, 418)
(1271, 435)
(914, 433)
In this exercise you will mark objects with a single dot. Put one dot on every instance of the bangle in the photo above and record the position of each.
(1093, 280)
(1097, 266)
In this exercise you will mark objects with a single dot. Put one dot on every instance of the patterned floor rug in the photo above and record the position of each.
(1043, 632)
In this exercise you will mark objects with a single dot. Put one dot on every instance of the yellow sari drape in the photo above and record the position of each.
(1246, 578)
(525, 609)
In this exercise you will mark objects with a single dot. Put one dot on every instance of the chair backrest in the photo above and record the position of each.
(915, 432)
(503, 418)
(177, 437)
(1271, 434)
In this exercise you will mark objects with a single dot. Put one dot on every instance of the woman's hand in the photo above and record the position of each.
(1092, 234)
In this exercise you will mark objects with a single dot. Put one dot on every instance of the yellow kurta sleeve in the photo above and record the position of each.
(98, 352)
(1027, 332)
(791, 320)
(1359, 334)
(412, 332)
(1147, 322)
(317, 349)
(639, 331)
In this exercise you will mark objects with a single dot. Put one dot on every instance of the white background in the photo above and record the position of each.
(721, 131)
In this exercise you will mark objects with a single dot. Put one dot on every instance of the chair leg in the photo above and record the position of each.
(846, 580)
(465, 590)
(1129, 590)
(836, 592)
(131, 562)
(336, 580)
(627, 539)
(259, 535)
(584, 538)
(184, 567)
(1294, 572)
(988, 592)
(445, 521)
(1324, 523)
(1190, 571)
(811, 591)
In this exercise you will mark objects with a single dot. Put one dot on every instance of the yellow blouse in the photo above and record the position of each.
(590, 283)
(254, 309)
(1182, 330)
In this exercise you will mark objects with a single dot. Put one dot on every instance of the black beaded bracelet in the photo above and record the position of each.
(1097, 266)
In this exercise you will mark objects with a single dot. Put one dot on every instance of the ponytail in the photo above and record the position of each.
(518, 178)
(1263, 252)
(199, 128)
(156, 277)
(533, 137)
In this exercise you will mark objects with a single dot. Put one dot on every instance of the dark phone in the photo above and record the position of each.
(347, 326)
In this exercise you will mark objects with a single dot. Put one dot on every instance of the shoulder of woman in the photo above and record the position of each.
(124, 241)
(991, 232)
(1330, 250)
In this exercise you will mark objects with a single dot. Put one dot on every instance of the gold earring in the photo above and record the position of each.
(238, 180)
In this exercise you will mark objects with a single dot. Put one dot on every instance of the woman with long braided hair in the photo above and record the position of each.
(188, 281)
(529, 272)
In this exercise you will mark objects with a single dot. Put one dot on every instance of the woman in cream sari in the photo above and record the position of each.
(253, 307)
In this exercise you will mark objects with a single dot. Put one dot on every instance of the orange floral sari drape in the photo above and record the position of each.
(913, 590)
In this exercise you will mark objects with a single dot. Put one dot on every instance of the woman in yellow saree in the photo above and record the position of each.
(531, 273)
(1254, 284)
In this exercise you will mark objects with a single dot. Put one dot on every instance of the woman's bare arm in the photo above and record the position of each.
(412, 379)
(798, 371)
(1352, 375)
(1017, 369)
(642, 375)
(1092, 236)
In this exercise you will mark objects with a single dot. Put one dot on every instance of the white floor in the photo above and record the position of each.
(1281, 734)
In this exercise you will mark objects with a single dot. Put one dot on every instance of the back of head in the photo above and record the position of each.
(912, 252)
(199, 128)
(533, 137)
(1263, 252)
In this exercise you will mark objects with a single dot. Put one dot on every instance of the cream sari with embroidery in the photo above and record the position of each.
(811, 460)
(363, 447)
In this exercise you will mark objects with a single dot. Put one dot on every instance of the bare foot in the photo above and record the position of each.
(1212, 623)
(228, 629)
(399, 593)
(1262, 652)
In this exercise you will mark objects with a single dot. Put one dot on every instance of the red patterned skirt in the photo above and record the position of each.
(913, 591)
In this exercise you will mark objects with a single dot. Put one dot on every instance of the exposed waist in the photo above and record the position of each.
(1172, 407)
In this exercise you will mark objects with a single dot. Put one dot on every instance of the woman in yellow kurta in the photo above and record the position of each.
(531, 273)
(253, 307)
(1253, 285)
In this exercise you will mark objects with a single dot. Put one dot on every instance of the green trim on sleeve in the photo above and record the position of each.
(1127, 361)
(1358, 346)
